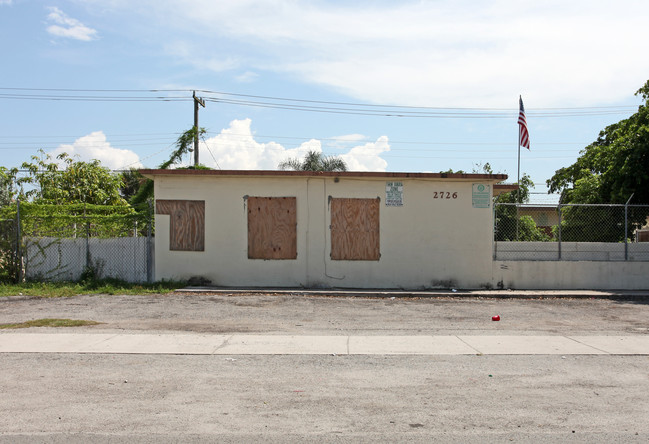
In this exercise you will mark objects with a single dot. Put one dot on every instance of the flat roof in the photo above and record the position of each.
(501, 188)
(357, 174)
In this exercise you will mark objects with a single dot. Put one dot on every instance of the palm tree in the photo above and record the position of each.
(314, 161)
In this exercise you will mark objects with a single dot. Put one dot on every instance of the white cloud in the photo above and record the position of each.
(367, 157)
(5, 2)
(247, 77)
(64, 26)
(236, 148)
(343, 142)
(348, 138)
(187, 52)
(95, 146)
(434, 53)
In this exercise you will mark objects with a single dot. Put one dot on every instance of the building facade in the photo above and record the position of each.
(324, 229)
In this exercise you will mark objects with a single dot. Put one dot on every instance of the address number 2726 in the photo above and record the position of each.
(444, 195)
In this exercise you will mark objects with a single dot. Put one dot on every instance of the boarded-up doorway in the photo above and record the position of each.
(272, 227)
(355, 234)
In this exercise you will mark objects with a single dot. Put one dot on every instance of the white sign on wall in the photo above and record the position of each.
(394, 194)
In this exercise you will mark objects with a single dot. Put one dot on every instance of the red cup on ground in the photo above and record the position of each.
(495, 318)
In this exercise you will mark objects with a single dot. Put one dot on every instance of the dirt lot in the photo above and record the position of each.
(282, 314)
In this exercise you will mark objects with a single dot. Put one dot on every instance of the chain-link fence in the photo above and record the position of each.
(9, 254)
(71, 242)
(579, 232)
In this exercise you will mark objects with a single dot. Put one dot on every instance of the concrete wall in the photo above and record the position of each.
(425, 243)
(584, 265)
(571, 275)
(572, 251)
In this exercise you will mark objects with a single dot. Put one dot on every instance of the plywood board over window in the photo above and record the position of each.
(355, 234)
(187, 223)
(272, 227)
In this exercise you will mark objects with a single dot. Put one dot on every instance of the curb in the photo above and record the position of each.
(630, 295)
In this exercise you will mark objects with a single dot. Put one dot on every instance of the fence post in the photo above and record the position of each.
(626, 228)
(559, 230)
(19, 255)
(149, 262)
(626, 231)
(87, 224)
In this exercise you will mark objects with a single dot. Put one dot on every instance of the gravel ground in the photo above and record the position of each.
(317, 315)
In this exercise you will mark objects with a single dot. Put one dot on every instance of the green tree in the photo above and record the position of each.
(132, 180)
(613, 167)
(8, 188)
(72, 198)
(8, 263)
(314, 161)
(478, 168)
(519, 195)
(76, 182)
(184, 145)
(508, 229)
(610, 170)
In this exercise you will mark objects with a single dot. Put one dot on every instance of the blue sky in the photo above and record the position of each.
(478, 56)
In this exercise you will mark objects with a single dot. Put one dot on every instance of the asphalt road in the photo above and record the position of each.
(325, 398)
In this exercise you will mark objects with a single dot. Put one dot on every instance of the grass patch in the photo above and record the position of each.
(102, 286)
(49, 323)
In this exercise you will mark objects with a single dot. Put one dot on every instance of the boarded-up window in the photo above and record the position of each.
(272, 227)
(355, 229)
(187, 223)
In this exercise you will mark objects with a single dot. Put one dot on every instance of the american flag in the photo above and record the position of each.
(523, 134)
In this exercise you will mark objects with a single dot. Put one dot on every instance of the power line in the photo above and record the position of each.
(210, 151)
(140, 137)
(287, 99)
(422, 146)
(305, 105)
(92, 98)
(404, 112)
(58, 139)
(393, 147)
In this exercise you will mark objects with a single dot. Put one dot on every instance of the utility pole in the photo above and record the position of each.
(201, 102)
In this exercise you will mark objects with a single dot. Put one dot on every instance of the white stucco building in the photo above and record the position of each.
(331, 229)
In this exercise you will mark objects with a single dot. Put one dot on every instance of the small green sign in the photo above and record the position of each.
(481, 196)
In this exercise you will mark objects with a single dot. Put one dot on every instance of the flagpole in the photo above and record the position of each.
(518, 177)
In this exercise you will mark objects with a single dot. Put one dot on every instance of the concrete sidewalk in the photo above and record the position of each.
(240, 344)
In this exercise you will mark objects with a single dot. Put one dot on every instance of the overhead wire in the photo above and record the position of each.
(395, 151)
(295, 104)
(210, 151)
(304, 105)
(287, 99)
